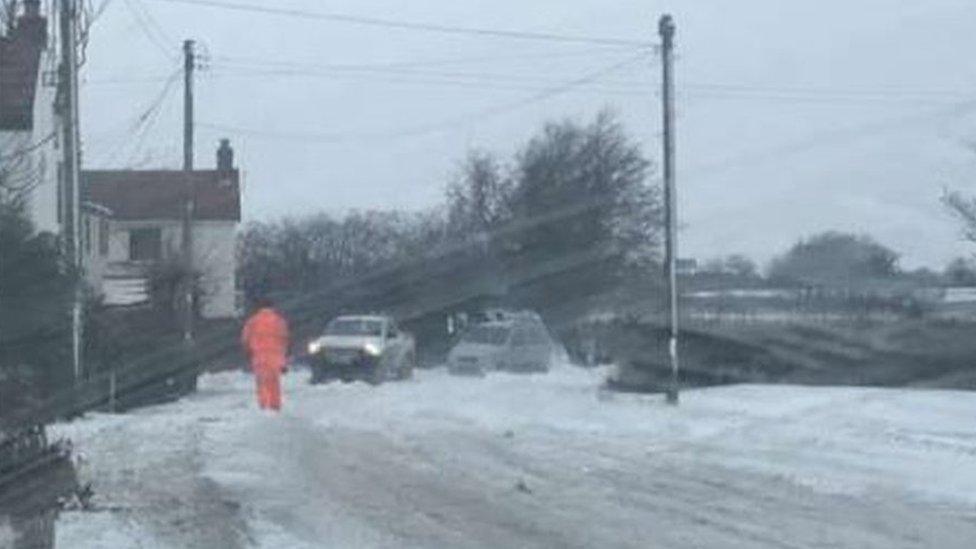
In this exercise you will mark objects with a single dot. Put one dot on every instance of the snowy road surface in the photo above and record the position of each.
(531, 461)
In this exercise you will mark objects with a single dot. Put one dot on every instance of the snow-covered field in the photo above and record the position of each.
(530, 461)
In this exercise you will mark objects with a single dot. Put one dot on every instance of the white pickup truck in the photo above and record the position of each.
(371, 348)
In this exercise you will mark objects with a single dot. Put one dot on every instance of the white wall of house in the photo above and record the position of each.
(214, 247)
(94, 261)
(44, 197)
(39, 167)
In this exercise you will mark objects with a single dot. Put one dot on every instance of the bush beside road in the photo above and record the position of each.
(927, 353)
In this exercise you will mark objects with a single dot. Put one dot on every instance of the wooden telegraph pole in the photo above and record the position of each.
(70, 169)
(189, 62)
(666, 30)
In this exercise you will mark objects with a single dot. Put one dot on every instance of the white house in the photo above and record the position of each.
(29, 154)
(146, 227)
(30, 133)
(131, 220)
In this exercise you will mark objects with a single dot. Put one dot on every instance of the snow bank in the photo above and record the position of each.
(7, 534)
(102, 530)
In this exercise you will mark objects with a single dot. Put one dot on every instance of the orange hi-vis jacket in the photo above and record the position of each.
(265, 335)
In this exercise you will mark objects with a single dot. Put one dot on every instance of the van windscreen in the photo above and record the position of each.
(487, 335)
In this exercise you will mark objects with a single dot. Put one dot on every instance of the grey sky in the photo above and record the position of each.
(794, 117)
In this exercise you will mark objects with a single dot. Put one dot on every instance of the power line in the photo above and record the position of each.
(143, 123)
(408, 74)
(29, 148)
(831, 137)
(487, 79)
(489, 82)
(97, 13)
(154, 23)
(151, 118)
(820, 99)
(475, 80)
(405, 73)
(411, 25)
(126, 80)
(331, 70)
(271, 67)
(420, 63)
(543, 95)
(721, 91)
(826, 90)
(516, 85)
(150, 28)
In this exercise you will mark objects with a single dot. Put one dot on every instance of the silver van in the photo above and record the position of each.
(520, 345)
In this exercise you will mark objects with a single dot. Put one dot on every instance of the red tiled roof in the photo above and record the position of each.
(160, 194)
(20, 59)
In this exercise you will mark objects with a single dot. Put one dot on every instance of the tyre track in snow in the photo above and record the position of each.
(544, 462)
(348, 488)
(457, 488)
(723, 507)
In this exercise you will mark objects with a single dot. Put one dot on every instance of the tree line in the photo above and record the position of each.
(834, 259)
(571, 215)
(569, 224)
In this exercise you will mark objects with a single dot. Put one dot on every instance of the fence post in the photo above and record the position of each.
(111, 391)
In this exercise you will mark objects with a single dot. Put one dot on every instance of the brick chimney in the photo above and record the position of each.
(20, 63)
(225, 156)
(32, 8)
(31, 26)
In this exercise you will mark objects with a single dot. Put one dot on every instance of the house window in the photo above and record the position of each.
(103, 237)
(145, 244)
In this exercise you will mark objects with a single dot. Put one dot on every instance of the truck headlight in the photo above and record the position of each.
(314, 347)
(371, 349)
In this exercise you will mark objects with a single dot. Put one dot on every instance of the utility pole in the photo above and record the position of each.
(189, 62)
(71, 220)
(666, 30)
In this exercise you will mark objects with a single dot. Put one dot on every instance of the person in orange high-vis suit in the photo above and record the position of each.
(265, 338)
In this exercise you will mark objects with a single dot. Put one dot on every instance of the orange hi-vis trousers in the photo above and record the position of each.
(265, 337)
(267, 373)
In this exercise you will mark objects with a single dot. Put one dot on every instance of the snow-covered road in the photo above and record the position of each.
(531, 461)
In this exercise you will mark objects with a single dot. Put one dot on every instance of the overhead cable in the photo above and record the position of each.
(409, 25)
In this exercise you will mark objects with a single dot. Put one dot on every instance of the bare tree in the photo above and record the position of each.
(8, 15)
(598, 176)
(740, 265)
(835, 259)
(305, 253)
(575, 216)
(961, 271)
(18, 175)
(479, 199)
(964, 209)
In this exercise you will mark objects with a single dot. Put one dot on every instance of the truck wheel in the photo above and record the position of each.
(406, 368)
(375, 375)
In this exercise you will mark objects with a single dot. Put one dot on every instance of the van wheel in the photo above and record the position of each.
(406, 369)
(375, 375)
(318, 375)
